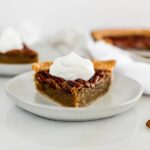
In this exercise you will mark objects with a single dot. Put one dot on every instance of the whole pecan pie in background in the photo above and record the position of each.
(138, 39)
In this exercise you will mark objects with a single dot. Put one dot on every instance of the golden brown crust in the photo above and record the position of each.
(104, 65)
(41, 66)
(99, 34)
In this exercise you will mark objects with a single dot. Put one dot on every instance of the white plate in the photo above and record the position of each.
(123, 95)
(14, 69)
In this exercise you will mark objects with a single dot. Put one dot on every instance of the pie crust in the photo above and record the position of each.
(100, 34)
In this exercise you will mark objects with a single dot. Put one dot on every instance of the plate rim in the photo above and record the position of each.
(43, 106)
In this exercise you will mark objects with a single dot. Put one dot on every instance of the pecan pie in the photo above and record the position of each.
(138, 39)
(74, 93)
(15, 56)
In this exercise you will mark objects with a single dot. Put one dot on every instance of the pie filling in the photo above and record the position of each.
(130, 42)
(75, 93)
(26, 55)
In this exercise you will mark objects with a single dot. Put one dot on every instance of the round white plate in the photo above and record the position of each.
(123, 95)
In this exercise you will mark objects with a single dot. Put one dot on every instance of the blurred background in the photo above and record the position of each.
(51, 15)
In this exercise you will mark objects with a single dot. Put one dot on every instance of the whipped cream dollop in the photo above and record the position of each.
(10, 39)
(72, 67)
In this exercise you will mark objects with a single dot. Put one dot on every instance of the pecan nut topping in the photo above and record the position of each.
(67, 85)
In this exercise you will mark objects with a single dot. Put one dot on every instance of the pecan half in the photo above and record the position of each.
(148, 123)
(96, 78)
(75, 84)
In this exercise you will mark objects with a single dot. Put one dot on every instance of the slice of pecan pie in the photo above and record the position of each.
(74, 93)
(138, 39)
(15, 56)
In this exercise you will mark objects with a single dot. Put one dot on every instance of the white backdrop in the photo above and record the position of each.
(89, 14)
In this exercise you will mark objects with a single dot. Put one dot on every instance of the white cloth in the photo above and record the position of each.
(82, 43)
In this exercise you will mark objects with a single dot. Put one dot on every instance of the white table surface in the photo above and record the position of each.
(20, 130)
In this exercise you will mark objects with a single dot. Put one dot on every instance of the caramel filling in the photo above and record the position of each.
(75, 93)
(130, 42)
(25, 55)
